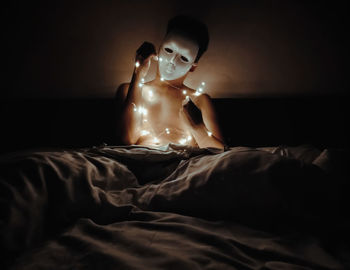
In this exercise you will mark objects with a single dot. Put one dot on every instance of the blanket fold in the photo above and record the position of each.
(179, 205)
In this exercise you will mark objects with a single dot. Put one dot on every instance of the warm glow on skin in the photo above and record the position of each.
(154, 136)
(160, 111)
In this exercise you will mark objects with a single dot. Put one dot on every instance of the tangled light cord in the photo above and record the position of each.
(143, 112)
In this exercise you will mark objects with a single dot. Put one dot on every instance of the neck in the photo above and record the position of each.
(178, 83)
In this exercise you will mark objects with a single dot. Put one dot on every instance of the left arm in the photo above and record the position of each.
(204, 128)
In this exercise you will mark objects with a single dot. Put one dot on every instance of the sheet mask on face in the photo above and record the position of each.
(176, 56)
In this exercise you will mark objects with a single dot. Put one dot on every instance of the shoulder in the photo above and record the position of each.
(203, 101)
(122, 91)
(204, 97)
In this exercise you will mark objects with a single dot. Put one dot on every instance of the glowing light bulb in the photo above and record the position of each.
(203, 83)
(137, 64)
(197, 93)
(200, 89)
(209, 133)
(135, 109)
(155, 140)
(182, 141)
(142, 110)
(189, 138)
(167, 131)
(140, 84)
(184, 92)
(160, 59)
(161, 78)
(143, 80)
(144, 132)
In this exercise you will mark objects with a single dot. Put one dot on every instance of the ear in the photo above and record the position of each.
(194, 66)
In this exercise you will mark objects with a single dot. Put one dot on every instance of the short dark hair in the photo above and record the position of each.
(191, 28)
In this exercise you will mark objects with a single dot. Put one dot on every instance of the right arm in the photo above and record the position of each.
(130, 96)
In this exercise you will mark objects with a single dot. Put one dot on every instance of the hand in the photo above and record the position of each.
(190, 114)
(144, 54)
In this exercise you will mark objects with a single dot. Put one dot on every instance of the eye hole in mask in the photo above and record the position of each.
(184, 59)
(168, 50)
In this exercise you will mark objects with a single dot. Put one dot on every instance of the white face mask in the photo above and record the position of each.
(176, 56)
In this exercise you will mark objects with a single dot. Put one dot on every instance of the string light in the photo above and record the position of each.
(142, 110)
(185, 140)
(160, 59)
(135, 107)
(144, 132)
(182, 141)
(200, 90)
(137, 64)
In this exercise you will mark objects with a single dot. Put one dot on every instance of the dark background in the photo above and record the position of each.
(85, 49)
(277, 70)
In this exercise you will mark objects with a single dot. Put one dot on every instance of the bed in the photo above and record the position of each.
(175, 207)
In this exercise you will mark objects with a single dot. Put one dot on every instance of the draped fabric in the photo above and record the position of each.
(172, 207)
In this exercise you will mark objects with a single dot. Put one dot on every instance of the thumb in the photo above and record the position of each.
(185, 101)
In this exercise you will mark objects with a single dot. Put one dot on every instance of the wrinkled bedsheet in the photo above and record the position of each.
(172, 207)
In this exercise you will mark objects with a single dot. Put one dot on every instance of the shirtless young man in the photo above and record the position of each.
(160, 111)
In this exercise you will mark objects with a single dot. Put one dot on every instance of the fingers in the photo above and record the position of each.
(184, 111)
(145, 51)
(182, 114)
(140, 61)
(150, 57)
(186, 101)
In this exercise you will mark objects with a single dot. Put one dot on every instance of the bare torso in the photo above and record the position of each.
(162, 125)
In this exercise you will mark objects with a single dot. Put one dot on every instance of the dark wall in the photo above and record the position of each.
(85, 49)
(64, 59)
(321, 121)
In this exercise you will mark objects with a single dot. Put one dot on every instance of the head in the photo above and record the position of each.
(185, 42)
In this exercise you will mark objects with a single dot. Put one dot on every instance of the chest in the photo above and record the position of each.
(162, 106)
(162, 120)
